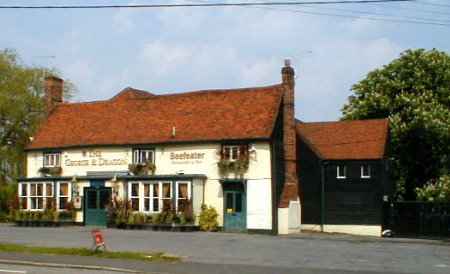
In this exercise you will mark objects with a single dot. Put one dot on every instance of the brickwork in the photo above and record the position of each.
(53, 92)
(290, 188)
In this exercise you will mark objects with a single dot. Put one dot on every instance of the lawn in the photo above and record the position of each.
(124, 255)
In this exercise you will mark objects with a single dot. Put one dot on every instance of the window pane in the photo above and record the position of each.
(156, 190)
(146, 190)
(33, 189)
(33, 203)
(183, 191)
(167, 204)
(235, 151)
(229, 201)
(155, 205)
(135, 204)
(40, 203)
(91, 199)
(63, 203)
(146, 204)
(24, 190)
(238, 198)
(166, 190)
(134, 190)
(226, 153)
(23, 203)
(39, 190)
(48, 190)
(64, 189)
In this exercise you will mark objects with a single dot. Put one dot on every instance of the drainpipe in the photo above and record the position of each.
(323, 165)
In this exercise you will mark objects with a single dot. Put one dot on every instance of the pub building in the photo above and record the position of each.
(232, 149)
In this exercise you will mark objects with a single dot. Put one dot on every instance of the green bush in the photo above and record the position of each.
(8, 201)
(437, 191)
(208, 219)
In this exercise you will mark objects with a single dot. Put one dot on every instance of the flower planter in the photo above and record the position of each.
(157, 227)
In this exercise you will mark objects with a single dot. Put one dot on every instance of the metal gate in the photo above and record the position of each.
(417, 219)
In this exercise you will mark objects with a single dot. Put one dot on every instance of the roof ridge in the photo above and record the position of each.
(205, 91)
(155, 96)
(342, 121)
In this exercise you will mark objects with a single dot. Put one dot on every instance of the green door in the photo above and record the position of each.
(96, 199)
(235, 215)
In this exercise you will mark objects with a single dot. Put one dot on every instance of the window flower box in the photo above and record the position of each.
(140, 169)
(50, 171)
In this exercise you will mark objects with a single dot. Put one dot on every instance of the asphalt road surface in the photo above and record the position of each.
(243, 253)
(22, 269)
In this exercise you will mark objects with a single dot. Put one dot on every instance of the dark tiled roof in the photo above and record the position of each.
(139, 117)
(346, 140)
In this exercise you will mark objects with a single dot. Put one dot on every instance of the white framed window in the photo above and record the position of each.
(142, 156)
(63, 195)
(23, 195)
(341, 171)
(52, 159)
(166, 196)
(230, 152)
(152, 195)
(134, 196)
(183, 194)
(35, 196)
(365, 171)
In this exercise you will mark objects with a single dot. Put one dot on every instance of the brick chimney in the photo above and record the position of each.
(53, 87)
(290, 188)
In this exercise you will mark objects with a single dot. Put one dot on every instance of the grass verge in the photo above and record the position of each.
(124, 255)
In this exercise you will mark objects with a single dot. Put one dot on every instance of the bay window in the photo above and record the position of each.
(154, 197)
(41, 195)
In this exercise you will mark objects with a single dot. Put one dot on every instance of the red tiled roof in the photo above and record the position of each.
(138, 117)
(346, 140)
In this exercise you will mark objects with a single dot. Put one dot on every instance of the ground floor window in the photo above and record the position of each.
(40, 195)
(154, 197)
(63, 195)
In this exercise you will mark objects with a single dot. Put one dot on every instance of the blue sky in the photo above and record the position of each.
(176, 50)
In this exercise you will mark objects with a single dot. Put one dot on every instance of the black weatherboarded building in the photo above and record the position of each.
(343, 175)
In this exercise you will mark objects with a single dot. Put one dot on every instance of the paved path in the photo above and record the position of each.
(303, 251)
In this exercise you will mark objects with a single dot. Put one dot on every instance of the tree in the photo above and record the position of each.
(21, 109)
(413, 91)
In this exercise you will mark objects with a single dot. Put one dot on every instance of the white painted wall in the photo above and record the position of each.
(259, 197)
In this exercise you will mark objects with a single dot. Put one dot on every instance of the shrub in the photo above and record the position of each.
(208, 218)
(437, 191)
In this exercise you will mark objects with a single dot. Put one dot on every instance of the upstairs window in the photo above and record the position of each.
(52, 159)
(142, 156)
(341, 171)
(365, 171)
(234, 152)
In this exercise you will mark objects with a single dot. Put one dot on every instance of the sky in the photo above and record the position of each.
(183, 49)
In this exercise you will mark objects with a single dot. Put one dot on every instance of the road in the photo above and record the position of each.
(243, 253)
(21, 269)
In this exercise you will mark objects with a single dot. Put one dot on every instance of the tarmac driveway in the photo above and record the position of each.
(302, 250)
